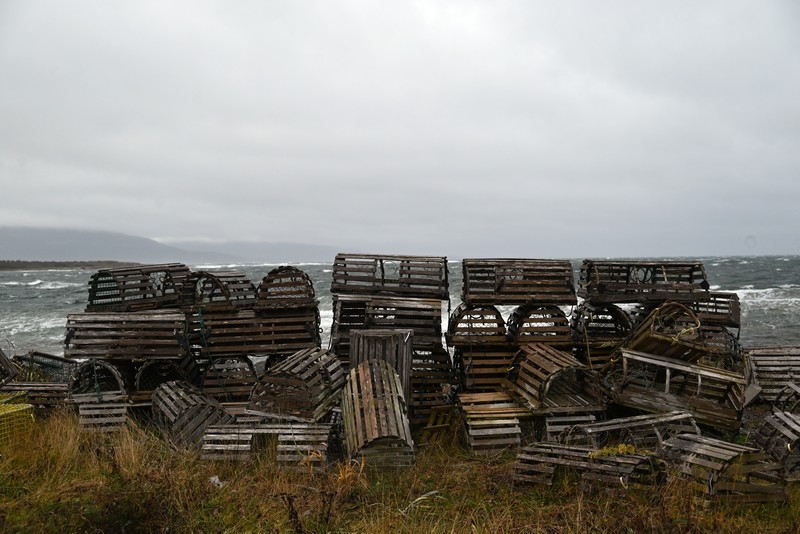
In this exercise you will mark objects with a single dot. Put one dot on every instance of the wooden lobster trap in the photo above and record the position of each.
(151, 374)
(286, 287)
(471, 325)
(491, 422)
(183, 412)
(517, 281)
(278, 332)
(540, 323)
(644, 432)
(36, 366)
(364, 312)
(102, 413)
(598, 330)
(99, 379)
(673, 331)
(482, 368)
(551, 382)
(217, 291)
(719, 309)
(772, 369)
(126, 336)
(541, 463)
(724, 472)
(652, 383)
(779, 435)
(142, 287)
(229, 379)
(432, 384)
(642, 281)
(406, 276)
(375, 417)
(304, 387)
(395, 347)
(298, 446)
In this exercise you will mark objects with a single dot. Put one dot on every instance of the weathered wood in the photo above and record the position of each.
(555, 426)
(142, 287)
(491, 422)
(773, 368)
(229, 379)
(598, 330)
(722, 471)
(652, 383)
(541, 462)
(394, 347)
(720, 308)
(407, 276)
(432, 384)
(482, 367)
(217, 291)
(644, 432)
(374, 417)
(183, 412)
(788, 399)
(535, 369)
(36, 366)
(110, 414)
(304, 387)
(439, 421)
(286, 287)
(540, 323)
(299, 446)
(779, 435)
(517, 281)
(641, 281)
(125, 335)
(277, 332)
(671, 330)
(42, 395)
(99, 378)
(471, 325)
(153, 373)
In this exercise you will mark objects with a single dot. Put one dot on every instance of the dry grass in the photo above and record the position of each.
(59, 478)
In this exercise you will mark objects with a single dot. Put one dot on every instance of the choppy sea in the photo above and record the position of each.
(34, 304)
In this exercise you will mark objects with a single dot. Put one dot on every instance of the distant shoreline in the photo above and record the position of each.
(25, 265)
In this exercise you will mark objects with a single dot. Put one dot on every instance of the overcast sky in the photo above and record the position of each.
(502, 128)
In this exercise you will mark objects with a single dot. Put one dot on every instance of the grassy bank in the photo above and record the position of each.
(58, 478)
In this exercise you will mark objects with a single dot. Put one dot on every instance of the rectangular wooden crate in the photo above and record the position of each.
(539, 463)
(641, 431)
(724, 472)
(772, 369)
(143, 335)
(517, 281)
(642, 281)
(652, 383)
(300, 446)
(375, 274)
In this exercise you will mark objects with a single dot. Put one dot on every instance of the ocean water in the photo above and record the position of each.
(34, 304)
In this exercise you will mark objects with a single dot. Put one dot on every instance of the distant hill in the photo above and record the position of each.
(53, 244)
(265, 252)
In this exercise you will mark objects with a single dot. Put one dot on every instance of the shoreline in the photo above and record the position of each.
(26, 265)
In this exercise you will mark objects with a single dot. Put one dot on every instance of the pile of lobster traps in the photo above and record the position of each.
(638, 374)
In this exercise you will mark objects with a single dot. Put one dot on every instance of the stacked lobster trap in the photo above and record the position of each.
(392, 305)
(522, 368)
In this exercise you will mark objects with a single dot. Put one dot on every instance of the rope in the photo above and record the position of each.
(96, 382)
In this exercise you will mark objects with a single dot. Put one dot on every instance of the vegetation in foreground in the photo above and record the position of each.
(58, 478)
